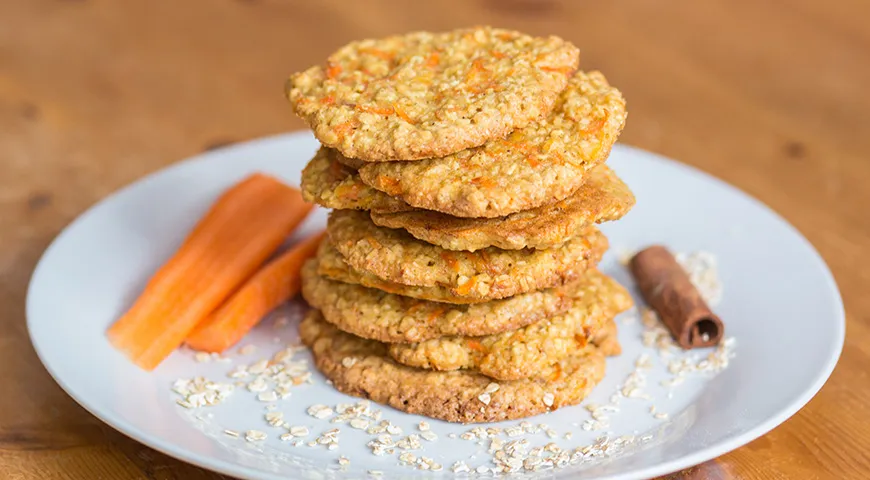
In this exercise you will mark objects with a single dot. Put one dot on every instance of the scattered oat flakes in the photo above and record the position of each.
(348, 362)
(275, 419)
(255, 436)
(319, 411)
(359, 423)
(407, 458)
(269, 396)
(199, 392)
(247, 349)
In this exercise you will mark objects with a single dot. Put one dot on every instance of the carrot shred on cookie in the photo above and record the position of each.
(240, 231)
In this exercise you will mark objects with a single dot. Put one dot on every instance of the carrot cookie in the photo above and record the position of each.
(607, 340)
(396, 256)
(603, 197)
(386, 317)
(362, 368)
(426, 95)
(331, 184)
(540, 164)
(333, 266)
(525, 352)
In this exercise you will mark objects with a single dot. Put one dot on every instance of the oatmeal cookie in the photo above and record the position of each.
(333, 265)
(425, 95)
(602, 198)
(607, 339)
(360, 367)
(386, 317)
(331, 184)
(396, 256)
(537, 165)
(524, 352)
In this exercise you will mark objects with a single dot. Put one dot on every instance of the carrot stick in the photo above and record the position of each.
(273, 285)
(243, 227)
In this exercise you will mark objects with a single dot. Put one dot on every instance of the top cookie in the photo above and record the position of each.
(426, 95)
(542, 163)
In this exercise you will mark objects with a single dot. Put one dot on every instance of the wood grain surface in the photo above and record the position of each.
(771, 96)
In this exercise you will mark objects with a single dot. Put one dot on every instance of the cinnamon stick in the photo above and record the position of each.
(667, 289)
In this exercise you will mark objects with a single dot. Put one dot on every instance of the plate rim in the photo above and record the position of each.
(231, 468)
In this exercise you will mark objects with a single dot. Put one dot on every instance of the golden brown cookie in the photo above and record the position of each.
(602, 198)
(396, 256)
(386, 317)
(333, 265)
(331, 184)
(524, 352)
(540, 164)
(425, 95)
(360, 367)
(607, 339)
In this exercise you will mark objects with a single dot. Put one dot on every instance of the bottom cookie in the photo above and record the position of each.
(362, 368)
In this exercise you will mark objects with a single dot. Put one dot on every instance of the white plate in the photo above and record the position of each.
(780, 303)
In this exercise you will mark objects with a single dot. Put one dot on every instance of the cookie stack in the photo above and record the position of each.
(466, 173)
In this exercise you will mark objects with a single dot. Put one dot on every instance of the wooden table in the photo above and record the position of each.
(771, 96)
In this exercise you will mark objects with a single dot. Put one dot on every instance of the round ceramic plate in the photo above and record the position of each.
(780, 306)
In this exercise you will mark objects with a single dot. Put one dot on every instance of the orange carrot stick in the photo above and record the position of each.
(246, 225)
(273, 285)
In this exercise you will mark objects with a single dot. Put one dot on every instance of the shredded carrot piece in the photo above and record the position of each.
(598, 125)
(274, 284)
(451, 260)
(378, 53)
(477, 65)
(483, 263)
(373, 242)
(389, 185)
(466, 287)
(376, 110)
(557, 374)
(413, 308)
(533, 161)
(484, 182)
(562, 70)
(498, 55)
(476, 346)
(434, 315)
(333, 71)
(342, 129)
(581, 340)
(242, 228)
(327, 100)
(401, 114)
(350, 192)
(477, 68)
(433, 60)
